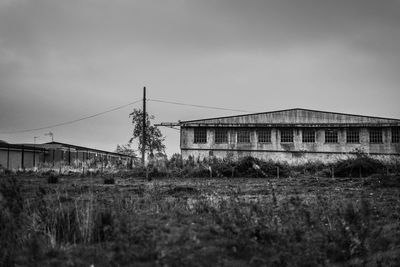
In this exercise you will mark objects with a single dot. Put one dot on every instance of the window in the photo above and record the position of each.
(353, 136)
(221, 136)
(287, 136)
(375, 136)
(200, 135)
(331, 136)
(264, 136)
(395, 135)
(308, 136)
(243, 136)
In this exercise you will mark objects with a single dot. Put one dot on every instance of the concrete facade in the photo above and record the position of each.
(384, 144)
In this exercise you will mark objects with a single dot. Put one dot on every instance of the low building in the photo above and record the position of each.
(19, 156)
(293, 135)
(56, 154)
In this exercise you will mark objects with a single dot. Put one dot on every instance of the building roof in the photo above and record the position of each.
(295, 117)
(53, 144)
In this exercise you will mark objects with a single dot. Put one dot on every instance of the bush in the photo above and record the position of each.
(361, 166)
(52, 179)
(109, 180)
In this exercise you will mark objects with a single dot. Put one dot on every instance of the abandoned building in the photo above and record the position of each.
(293, 135)
(56, 154)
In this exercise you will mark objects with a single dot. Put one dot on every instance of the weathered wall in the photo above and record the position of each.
(285, 151)
(289, 157)
(14, 158)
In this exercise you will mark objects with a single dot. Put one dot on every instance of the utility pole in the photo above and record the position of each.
(34, 151)
(144, 128)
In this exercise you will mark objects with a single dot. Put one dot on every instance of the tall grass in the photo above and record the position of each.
(192, 225)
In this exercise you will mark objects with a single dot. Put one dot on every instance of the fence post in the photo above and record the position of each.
(333, 172)
(277, 172)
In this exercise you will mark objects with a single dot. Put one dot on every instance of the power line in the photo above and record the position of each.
(199, 106)
(71, 121)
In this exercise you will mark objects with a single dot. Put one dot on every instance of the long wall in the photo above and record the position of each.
(292, 151)
(13, 159)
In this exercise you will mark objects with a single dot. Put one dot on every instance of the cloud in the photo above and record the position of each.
(60, 60)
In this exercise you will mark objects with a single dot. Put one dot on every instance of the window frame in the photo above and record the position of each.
(331, 136)
(264, 136)
(200, 135)
(243, 139)
(353, 139)
(308, 136)
(290, 135)
(376, 136)
(395, 135)
(221, 135)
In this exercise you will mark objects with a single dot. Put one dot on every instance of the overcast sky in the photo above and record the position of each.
(63, 60)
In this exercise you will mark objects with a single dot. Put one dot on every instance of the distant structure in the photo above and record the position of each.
(293, 135)
(56, 154)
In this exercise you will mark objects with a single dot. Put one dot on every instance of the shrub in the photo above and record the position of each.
(109, 180)
(361, 166)
(52, 179)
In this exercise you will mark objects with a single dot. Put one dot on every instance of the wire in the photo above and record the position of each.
(199, 106)
(72, 121)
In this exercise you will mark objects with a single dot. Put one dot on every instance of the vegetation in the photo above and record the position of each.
(248, 167)
(125, 150)
(52, 178)
(303, 218)
(154, 137)
(303, 221)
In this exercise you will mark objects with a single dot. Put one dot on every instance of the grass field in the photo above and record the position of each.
(307, 221)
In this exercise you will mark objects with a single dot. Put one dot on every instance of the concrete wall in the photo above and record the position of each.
(12, 159)
(81, 158)
(289, 157)
(286, 151)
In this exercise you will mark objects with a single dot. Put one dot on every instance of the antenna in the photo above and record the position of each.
(50, 134)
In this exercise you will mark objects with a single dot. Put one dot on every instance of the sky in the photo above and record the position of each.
(64, 60)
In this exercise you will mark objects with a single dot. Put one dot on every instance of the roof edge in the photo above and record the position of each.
(282, 110)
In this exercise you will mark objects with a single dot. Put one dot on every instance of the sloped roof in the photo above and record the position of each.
(80, 148)
(296, 116)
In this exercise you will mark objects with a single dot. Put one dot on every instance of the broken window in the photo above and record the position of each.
(375, 136)
(395, 135)
(200, 135)
(331, 136)
(287, 136)
(221, 136)
(308, 136)
(353, 136)
(264, 136)
(243, 136)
